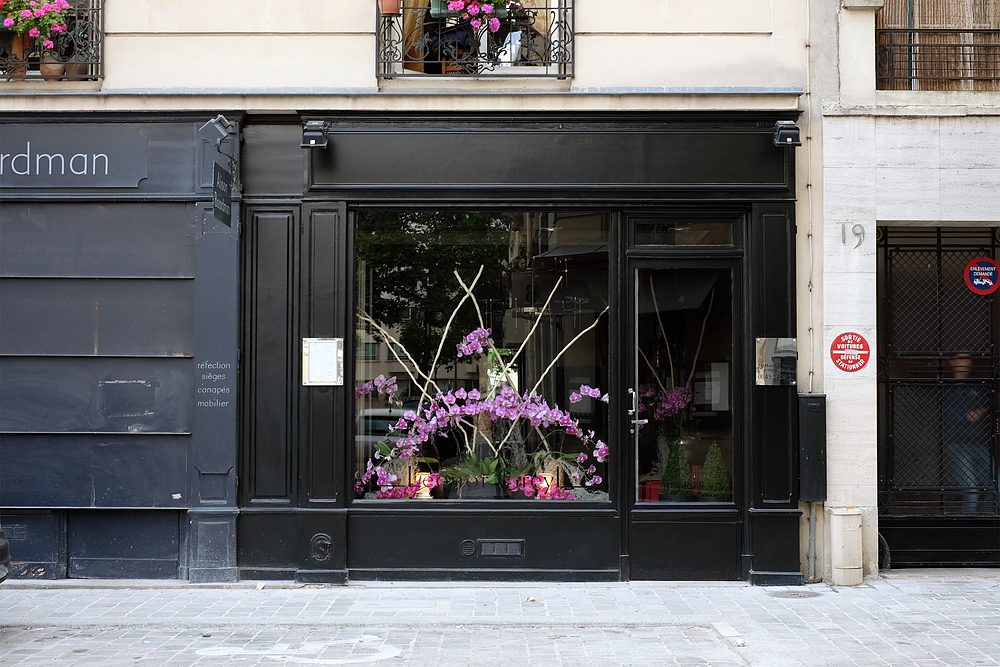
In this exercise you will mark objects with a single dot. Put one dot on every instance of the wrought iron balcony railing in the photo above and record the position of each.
(476, 38)
(77, 54)
(937, 59)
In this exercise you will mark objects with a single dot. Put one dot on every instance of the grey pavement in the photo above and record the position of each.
(910, 617)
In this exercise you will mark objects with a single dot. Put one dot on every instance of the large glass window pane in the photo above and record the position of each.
(684, 365)
(494, 383)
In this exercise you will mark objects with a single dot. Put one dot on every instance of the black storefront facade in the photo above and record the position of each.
(643, 254)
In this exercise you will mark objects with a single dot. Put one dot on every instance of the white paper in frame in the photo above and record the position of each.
(322, 362)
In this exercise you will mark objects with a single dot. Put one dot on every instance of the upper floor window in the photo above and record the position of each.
(58, 40)
(938, 45)
(475, 37)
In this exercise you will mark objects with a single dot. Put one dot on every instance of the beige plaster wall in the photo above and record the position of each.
(292, 45)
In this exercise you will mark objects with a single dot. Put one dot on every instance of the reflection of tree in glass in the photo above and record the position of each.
(406, 265)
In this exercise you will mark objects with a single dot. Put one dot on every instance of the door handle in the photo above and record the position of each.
(635, 409)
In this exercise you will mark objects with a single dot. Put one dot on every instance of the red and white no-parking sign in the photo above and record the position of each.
(850, 352)
(982, 275)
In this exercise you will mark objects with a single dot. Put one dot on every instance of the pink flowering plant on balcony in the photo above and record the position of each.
(483, 16)
(491, 422)
(41, 21)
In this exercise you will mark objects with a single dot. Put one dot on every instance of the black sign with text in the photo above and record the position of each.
(73, 156)
(222, 195)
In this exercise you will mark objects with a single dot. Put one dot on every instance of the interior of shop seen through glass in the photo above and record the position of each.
(482, 360)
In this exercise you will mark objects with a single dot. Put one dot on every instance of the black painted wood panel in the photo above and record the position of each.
(271, 353)
(170, 151)
(98, 240)
(325, 315)
(603, 157)
(775, 426)
(689, 548)
(413, 540)
(134, 470)
(96, 395)
(97, 317)
(124, 544)
(273, 163)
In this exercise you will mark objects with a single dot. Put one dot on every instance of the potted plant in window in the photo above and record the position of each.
(468, 27)
(677, 485)
(714, 483)
(389, 6)
(35, 26)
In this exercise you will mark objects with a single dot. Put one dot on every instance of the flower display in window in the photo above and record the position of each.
(491, 424)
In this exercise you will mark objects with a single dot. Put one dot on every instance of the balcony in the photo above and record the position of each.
(77, 55)
(427, 38)
(937, 59)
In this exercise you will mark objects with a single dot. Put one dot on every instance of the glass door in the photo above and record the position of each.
(683, 518)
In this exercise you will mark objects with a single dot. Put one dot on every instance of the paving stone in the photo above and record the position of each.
(905, 619)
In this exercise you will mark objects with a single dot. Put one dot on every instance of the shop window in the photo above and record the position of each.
(500, 322)
(531, 38)
(938, 45)
(74, 50)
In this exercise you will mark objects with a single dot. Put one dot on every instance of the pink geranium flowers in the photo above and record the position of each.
(37, 20)
(477, 14)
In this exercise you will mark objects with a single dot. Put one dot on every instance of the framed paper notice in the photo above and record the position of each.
(322, 362)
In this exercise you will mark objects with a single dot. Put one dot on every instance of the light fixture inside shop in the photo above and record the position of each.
(786, 133)
(313, 134)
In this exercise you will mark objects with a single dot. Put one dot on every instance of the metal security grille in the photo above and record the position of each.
(938, 45)
(938, 364)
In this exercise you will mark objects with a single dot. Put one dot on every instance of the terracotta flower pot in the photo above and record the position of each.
(389, 6)
(50, 68)
(75, 70)
(17, 63)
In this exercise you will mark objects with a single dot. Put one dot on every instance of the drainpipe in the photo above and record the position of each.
(812, 542)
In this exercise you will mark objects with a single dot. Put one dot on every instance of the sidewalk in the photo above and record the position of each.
(912, 617)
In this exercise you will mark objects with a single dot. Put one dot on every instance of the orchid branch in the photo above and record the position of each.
(663, 332)
(451, 319)
(701, 338)
(656, 375)
(553, 363)
(566, 348)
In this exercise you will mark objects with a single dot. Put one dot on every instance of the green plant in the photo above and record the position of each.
(41, 21)
(677, 473)
(714, 480)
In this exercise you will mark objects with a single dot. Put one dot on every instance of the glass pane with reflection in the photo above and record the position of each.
(493, 381)
(683, 232)
(684, 349)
